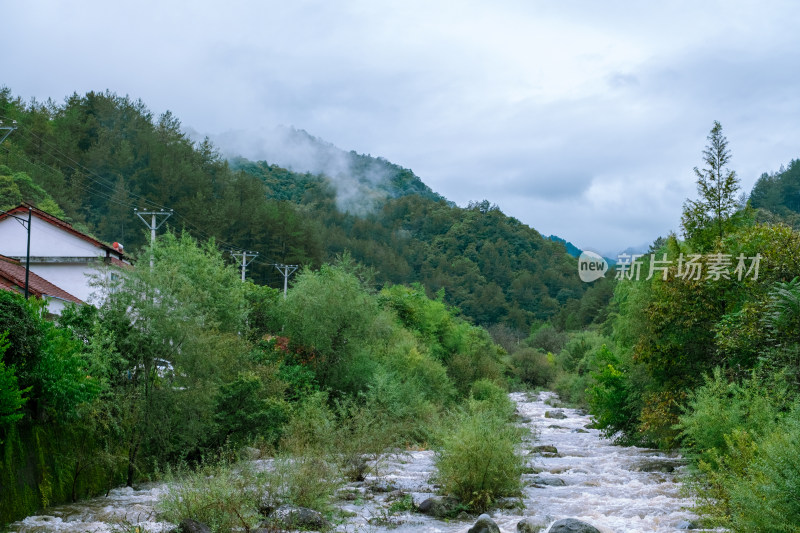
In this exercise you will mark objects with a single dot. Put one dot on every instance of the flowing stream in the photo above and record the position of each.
(614, 488)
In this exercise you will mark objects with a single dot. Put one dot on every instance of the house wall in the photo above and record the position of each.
(68, 262)
(75, 278)
(56, 305)
(46, 241)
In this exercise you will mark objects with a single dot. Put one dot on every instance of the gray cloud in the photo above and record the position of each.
(582, 119)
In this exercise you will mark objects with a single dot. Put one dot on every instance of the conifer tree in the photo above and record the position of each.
(717, 186)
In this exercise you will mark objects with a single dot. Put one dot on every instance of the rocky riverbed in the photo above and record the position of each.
(573, 472)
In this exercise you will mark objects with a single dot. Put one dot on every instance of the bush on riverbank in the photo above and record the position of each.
(744, 439)
(478, 459)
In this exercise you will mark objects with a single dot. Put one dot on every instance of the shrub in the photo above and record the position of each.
(311, 429)
(533, 367)
(571, 388)
(489, 395)
(611, 395)
(304, 480)
(245, 411)
(768, 499)
(548, 339)
(478, 460)
(719, 406)
(221, 496)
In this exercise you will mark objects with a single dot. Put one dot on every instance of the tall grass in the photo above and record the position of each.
(478, 459)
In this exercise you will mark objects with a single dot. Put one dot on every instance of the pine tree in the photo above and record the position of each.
(717, 186)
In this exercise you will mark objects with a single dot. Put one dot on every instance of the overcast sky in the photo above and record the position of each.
(581, 118)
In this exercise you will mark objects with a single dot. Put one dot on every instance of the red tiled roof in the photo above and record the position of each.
(12, 277)
(55, 221)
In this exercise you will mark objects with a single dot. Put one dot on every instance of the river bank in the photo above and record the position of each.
(620, 489)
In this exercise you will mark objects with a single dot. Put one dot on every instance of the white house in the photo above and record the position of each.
(12, 278)
(59, 254)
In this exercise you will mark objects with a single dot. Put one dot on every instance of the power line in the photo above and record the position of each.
(286, 270)
(8, 129)
(93, 177)
(244, 254)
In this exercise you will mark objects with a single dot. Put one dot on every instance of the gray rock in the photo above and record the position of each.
(549, 481)
(379, 486)
(531, 525)
(544, 449)
(193, 526)
(579, 430)
(438, 506)
(484, 524)
(571, 525)
(657, 465)
(559, 415)
(291, 517)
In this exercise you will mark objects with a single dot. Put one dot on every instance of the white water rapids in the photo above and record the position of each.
(614, 488)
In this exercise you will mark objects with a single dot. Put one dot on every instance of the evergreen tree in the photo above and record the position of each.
(717, 186)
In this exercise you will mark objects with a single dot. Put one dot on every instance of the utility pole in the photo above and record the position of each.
(8, 129)
(28, 256)
(244, 255)
(153, 224)
(22, 221)
(287, 271)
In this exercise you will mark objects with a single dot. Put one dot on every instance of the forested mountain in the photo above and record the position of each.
(572, 250)
(100, 155)
(777, 195)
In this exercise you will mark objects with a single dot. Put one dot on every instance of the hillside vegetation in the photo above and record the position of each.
(377, 344)
(101, 155)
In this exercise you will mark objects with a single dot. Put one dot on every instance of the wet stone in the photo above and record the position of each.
(193, 526)
(571, 525)
(531, 525)
(657, 465)
(292, 517)
(484, 524)
(438, 506)
(382, 487)
(544, 449)
(550, 481)
(559, 415)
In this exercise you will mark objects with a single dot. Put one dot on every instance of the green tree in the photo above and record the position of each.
(11, 397)
(716, 185)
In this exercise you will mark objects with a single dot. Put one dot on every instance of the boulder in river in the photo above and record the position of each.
(559, 415)
(550, 481)
(484, 524)
(546, 448)
(572, 525)
(193, 526)
(438, 506)
(531, 525)
(382, 486)
(657, 465)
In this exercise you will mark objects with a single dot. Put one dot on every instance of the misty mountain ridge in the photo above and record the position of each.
(362, 183)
